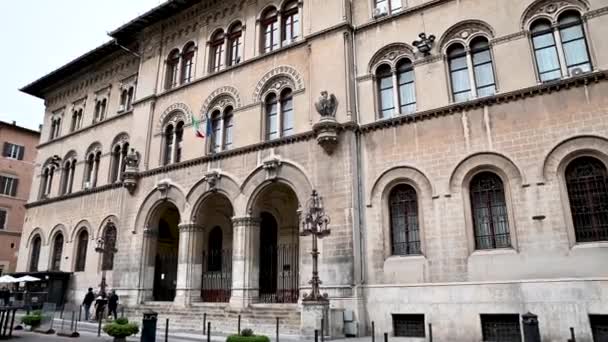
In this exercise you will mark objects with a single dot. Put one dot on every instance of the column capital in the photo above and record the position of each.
(245, 221)
(190, 227)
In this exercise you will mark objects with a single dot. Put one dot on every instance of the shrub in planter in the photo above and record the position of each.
(33, 319)
(120, 329)
(247, 336)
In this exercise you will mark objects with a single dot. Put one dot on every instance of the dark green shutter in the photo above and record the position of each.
(15, 185)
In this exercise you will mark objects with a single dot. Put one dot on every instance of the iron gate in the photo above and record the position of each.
(279, 274)
(217, 276)
(165, 277)
(599, 327)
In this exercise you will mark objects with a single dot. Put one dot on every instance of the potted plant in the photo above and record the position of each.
(33, 319)
(120, 329)
(247, 335)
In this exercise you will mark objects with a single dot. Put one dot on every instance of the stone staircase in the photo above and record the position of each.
(224, 320)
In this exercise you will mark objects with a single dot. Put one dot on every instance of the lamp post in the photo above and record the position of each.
(314, 223)
(102, 249)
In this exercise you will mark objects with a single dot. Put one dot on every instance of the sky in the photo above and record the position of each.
(39, 36)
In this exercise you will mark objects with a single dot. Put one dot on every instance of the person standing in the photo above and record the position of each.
(89, 298)
(113, 304)
(5, 295)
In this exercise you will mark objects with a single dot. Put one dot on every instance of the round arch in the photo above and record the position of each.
(164, 192)
(390, 54)
(569, 149)
(83, 224)
(399, 174)
(213, 183)
(174, 113)
(464, 32)
(109, 219)
(550, 9)
(490, 161)
(270, 172)
(60, 228)
(226, 93)
(278, 75)
(36, 232)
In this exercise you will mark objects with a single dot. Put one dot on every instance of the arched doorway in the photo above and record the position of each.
(215, 215)
(276, 207)
(166, 254)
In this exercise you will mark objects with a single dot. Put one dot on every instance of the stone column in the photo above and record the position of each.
(189, 264)
(313, 313)
(245, 261)
(146, 277)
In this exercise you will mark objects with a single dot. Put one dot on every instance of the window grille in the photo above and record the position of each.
(405, 234)
(489, 209)
(411, 325)
(501, 328)
(587, 183)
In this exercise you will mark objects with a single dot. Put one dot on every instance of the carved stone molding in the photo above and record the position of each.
(272, 167)
(390, 54)
(278, 76)
(163, 187)
(212, 178)
(190, 228)
(174, 113)
(246, 221)
(222, 97)
(326, 132)
(464, 32)
(551, 8)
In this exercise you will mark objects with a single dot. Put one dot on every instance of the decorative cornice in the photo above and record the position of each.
(596, 12)
(190, 228)
(246, 221)
(544, 88)
(509, 37)
(81, 193)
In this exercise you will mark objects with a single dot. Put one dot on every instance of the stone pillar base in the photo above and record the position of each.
(242, 299)
(311, 318)
(184, 297)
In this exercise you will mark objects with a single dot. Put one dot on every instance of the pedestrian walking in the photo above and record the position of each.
(113, 304)
(89, 298)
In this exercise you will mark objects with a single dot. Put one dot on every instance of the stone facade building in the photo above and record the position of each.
(16, 173)
(461, 149)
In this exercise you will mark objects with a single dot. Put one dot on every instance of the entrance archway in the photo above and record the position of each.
(276, 207)
(215, 215)
(166, 254)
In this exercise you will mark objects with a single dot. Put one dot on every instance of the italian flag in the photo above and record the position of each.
(196, 125)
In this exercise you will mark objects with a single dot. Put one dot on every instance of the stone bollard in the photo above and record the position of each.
(148, 327)
(531, 330)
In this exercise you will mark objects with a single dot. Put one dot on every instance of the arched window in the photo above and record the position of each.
(130, 95)
(272, 119)
(171, 79)
(407, 89)
(81, 251)
(483, 70)
(270, 30)
(489, 209)
(235, 43)
(214, 250)
(92, 169)
(188, 63)
(574, 43)
(179, 141)
(46, 181)
(57, 252)
(405, 231)
(102, 109)
(216, 128)
(123, 101)
(228, 118)
(587, 183)
(35, 253)
(386, 97)
(287, 115)
(459, 73)
(169, 134)
(123, 164)
(74, 120)
(291, 22)
(545, 50)
(109, 240)
(216, 50)
(67, 176)
(116, 156)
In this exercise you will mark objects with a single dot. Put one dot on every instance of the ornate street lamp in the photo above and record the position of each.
(424, 44)
(102, 249)
(314, 222)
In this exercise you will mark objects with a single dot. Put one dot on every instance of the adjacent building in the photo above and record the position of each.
(460, 147)
(16, 173)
